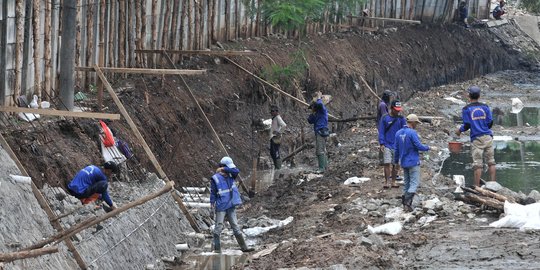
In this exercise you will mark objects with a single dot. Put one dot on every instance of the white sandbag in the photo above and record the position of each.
(21, 179)
(356, 180)
(509, 222)
(391, 228)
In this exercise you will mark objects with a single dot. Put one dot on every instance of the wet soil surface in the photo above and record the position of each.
(330, 219)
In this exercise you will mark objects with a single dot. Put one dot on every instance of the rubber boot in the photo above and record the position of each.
(217, 244)
(321, 161)
(242, 243)
(408, 201)
(277, 163)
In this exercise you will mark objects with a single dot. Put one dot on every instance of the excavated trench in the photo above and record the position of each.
(405, 59)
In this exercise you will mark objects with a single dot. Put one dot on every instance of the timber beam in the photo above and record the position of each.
(385, 19)
(9, 257)
(145, 71)
(93, 115)
(200, 52)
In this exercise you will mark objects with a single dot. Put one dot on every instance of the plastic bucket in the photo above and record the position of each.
(455, 147)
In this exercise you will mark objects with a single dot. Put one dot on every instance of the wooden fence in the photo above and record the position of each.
(29, 62)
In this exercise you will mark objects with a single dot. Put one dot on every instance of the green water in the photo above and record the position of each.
(518, 165)
(528, 115)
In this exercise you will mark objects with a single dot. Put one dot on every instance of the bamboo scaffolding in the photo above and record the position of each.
(146, 148)
(95, 220)
(9, 257)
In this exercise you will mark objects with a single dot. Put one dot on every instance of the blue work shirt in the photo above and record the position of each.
(319, 119)
(477, 117)
(388, 126)
(406, 148)
(223, 191)
(86, 178)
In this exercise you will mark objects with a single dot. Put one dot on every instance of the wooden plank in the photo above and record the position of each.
(386, 19)
(201, 52)
(146, 148)
(9, 257)
(43, 203)
(109, 116)
(145, 71)
(95, 220)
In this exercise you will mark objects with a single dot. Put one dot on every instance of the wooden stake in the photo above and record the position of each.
(9, 257)
(146, 148)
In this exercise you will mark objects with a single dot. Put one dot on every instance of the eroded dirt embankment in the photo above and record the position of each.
(404, 59)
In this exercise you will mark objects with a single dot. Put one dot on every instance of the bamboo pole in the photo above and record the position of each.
(174, 25)
(227, 20)
(154, 31)
(37, 48)
(165, 37)
(146, 71)
(43, 203)
(196, 25)
(47, 47)
(60, 113)
(143, 28)
(9, 257)
(189, 25)
(182, 24)
(122, 33)
(95, 220)
(386, 19)
(90, 38)
(201, 52)
(146, 148)
(112, 21)
(19, 42)
(369, 88)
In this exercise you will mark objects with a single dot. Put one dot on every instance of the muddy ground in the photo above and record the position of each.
(329, 218)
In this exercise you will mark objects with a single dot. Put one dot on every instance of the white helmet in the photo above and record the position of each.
(227, 161)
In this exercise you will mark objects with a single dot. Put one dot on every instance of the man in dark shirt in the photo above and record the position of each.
(478, 118)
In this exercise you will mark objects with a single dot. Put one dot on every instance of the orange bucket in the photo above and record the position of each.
(455, 147)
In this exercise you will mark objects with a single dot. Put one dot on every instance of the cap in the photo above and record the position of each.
(413, 118)
(396, 105)
(474, 90)
(111, 166)
(227, 161)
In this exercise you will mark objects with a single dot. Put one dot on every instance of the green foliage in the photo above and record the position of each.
(284, 75)
(531, 5)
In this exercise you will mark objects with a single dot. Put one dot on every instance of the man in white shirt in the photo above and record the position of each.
(278, 126)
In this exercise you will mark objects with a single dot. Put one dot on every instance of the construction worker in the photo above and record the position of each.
(319, 119)
(91, 183)
(498, 11)
(464, 13)
(478, 118)
(278, 126)
(388, 126)
(407, 145)
(382, 109)
(224, 197)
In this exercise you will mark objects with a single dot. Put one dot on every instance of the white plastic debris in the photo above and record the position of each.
(425, 220)
(517, 105)
(267, 123)
(524, 217)
(28, 117)
(455, 100)
(21, 179)
(356, 180)
(397, 214)
(260, 230)
(182, 247)
(391, 228)
(460, 181)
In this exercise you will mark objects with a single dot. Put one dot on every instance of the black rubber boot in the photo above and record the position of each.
(217, 244)
(408, 201)
(242, 243)
(277, 163)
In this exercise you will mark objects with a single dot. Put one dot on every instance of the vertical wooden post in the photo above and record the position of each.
(142, 30)
(19, 9)
(3, 57)
(47, 47)
(196, 25)
(174, 25)
(122, 33)
(112, 21)
(189, 25)
(227, 19)
(37, 48)
(182, 24)
(166, 25)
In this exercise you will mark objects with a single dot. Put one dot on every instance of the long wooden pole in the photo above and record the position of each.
(369, 87)
(43, 203)
(9, 257)
(208, 123)
(109, 116)
(95, 220)
(145, 71)
(201, 52)
(146, 148)
(387, 19)
(271, 85)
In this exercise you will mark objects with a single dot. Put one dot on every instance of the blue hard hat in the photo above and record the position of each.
(474, 90)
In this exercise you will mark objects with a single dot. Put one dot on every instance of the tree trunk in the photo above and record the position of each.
(90, 34)
(142, 29)
(201, 24)
(227, 19)
(132, 33)
(154, 31)
(174, 25)
(236, 20)
(112, 21)
(47, 48)
(166, 25)
(212, 17)
(37, 48)
(182, 24)
(78, 75)
(189, 26)
(19, 10)
(197, 22)
(258, 19)
(122, 33)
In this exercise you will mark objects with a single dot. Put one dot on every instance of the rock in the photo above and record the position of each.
(364, 241)
(465, 209)
(433, 204)
(534, 194)
(471, 215)
(371, 207)
(431, 212)
(150, 266)
(345, 242)
(375, 214)
(493, 186)
(376, 240)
